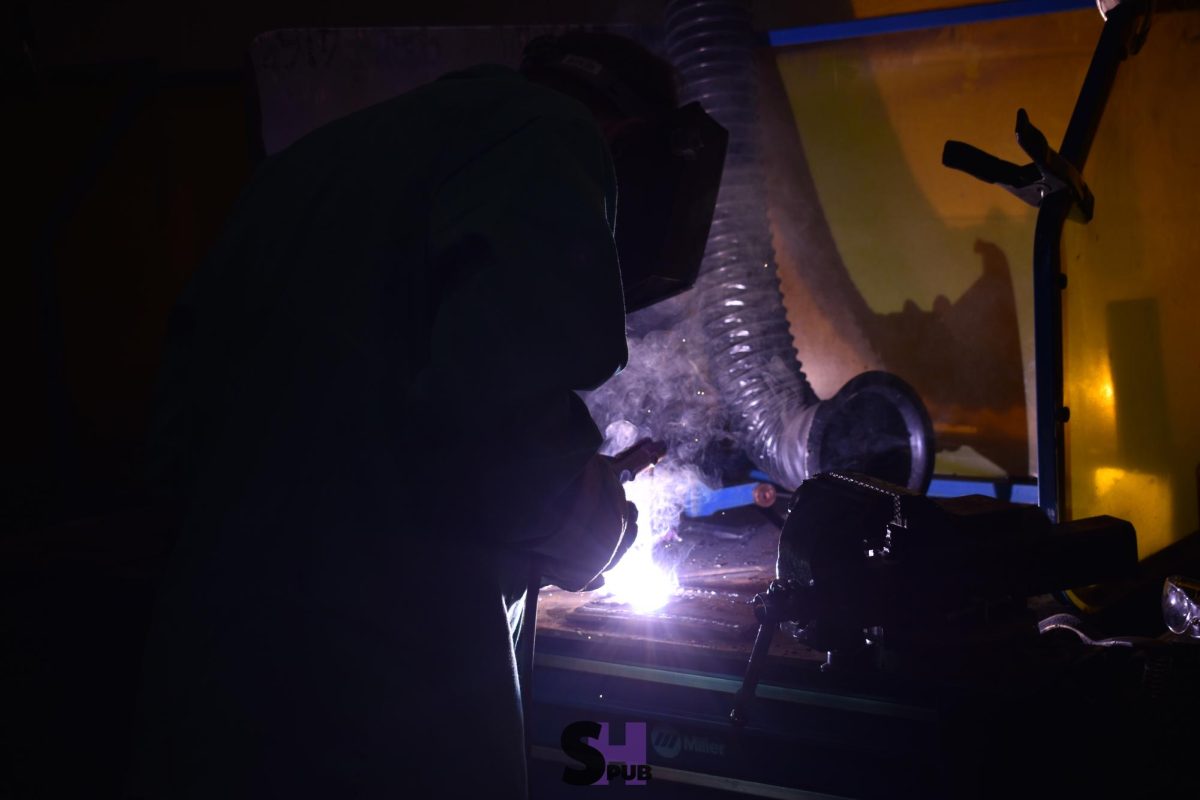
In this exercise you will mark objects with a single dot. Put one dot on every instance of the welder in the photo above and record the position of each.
(368, 420)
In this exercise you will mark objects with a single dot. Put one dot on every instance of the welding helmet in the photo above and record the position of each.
(668, 164)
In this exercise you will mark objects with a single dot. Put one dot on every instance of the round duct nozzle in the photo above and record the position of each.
(877, 425)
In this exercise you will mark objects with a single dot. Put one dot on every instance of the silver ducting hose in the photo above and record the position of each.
(876, 423)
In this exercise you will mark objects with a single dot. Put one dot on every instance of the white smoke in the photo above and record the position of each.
(646, 576)
(664, 394)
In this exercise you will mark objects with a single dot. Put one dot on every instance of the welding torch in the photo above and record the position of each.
(640, 456)
(627, 465)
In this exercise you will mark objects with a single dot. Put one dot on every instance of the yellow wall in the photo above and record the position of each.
(1132, 305)
(871, 116)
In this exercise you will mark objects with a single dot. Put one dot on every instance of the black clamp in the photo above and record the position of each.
(1048, 174)
(778, 604)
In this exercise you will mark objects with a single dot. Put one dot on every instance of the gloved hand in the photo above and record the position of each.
(593, 526)
(631, 532)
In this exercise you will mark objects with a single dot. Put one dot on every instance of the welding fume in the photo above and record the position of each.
(405, 301)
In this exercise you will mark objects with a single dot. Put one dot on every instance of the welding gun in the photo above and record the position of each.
(628, 464)
(641, 455)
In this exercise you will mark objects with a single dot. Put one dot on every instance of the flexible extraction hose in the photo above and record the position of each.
(876, 423)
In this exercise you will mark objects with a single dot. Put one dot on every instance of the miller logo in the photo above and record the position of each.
(666, 741)
(588, 743)
(669, 743)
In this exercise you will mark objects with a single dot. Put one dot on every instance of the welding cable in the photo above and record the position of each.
(1072, 623)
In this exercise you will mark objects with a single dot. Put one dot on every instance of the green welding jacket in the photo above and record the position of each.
(368, 404)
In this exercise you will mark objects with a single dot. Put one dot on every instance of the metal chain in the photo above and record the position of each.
(897, 516)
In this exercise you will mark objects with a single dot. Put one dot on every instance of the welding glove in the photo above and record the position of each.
(593, 526)
(631, 532)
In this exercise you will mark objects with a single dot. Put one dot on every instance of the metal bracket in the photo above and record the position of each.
(1047, 174)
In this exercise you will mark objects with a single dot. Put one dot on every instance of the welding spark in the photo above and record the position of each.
(641, 582)
(646, 577)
